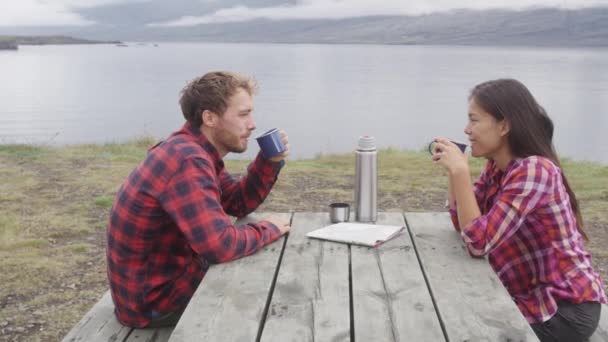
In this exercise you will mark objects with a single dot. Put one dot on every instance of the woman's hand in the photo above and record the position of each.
(448, 155)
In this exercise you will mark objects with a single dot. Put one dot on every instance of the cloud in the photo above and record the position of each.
(47, 13)
(339, 9)
(66, 12)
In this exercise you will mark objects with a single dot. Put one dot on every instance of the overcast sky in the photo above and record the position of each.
(66, 12)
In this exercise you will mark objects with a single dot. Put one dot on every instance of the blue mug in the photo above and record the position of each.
(271, 143)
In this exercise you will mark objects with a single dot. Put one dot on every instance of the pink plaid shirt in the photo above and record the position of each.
(528, 231)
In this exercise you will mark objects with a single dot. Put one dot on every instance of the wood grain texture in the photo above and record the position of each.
(150, 335)
(99, 324)
(230, 302)
(390, 298)
(472, 302)
(311, 297)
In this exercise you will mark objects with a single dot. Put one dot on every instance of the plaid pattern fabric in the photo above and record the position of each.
(169, 222)
(528, 231)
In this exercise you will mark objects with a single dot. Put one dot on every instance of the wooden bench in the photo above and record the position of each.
(100, 325)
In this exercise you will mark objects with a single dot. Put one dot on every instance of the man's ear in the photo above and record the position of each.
(209, 118)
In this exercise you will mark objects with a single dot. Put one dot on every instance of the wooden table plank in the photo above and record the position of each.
(311, 296)
(472, 302)
(150, 335)
(218, 312)
(99, 324)
(390, 297)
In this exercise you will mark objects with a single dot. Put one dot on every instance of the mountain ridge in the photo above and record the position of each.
(533, 27)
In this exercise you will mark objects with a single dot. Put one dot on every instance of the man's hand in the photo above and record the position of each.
(281, 223)
(285, 141)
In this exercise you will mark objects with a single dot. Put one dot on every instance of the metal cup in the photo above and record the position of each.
(461, 146)
(339, 212)
(271, 143)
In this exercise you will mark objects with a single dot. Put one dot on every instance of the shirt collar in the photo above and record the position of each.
(195, 134)
(497, 174)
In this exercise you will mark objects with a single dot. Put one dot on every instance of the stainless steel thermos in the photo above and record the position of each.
(366, 180)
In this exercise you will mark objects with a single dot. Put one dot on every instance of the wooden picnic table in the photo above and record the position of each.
(420, 286)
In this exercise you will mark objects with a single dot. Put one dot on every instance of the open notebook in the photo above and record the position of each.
(357, 233)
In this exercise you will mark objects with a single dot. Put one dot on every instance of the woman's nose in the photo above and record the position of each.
(467, 129)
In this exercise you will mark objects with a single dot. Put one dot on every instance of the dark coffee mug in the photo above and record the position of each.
(271, 143)
(461, 146)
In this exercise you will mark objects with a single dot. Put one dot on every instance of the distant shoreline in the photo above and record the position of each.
(8, 45)
(13, 42)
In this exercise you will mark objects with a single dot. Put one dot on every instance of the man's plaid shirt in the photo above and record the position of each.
(170, 221)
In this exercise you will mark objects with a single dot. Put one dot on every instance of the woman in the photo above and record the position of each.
(522, 213)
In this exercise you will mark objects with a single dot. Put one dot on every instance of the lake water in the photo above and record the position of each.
(324, 96)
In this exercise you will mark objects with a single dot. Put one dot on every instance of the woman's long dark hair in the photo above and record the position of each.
(531, 132)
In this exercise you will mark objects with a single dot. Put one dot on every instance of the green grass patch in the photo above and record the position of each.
(589, 182)
(78, 248)
(22, 151)
(9, 225)
(104, 201)
(27, 243)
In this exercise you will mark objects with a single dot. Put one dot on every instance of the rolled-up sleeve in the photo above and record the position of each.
(479, 189)
(525, 188)
(243, 195)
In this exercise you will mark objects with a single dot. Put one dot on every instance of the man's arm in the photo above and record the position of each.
(242, 196)
(192, 199)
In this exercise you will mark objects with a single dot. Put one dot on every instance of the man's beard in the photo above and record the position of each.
(230, 142)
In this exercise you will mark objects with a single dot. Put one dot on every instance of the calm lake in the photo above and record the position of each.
(324, 96)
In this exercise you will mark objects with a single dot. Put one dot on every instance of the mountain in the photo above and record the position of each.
(534, 27)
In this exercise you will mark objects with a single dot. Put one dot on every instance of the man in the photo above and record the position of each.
(170, 218)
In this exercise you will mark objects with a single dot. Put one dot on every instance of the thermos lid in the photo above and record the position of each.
(367, 143)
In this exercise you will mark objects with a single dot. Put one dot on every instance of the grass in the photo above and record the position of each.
(54, 205)
(104, 201)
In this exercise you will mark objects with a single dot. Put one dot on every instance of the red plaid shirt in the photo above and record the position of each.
(169, 222)
(528, 230)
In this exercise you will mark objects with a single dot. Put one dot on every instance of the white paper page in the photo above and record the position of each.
(356, 233)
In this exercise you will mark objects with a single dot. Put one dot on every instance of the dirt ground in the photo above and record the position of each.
(53, 301)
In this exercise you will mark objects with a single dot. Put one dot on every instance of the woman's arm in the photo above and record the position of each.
(525, 188)
(467, 207)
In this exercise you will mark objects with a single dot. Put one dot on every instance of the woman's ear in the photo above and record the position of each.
(209, 118)
(504, 127)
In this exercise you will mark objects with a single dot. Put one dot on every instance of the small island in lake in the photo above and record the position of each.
(8, 44)
(13, 42)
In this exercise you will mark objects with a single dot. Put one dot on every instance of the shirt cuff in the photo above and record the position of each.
(473, 234)
(454, 217)
(267, 167)
(275, 231)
